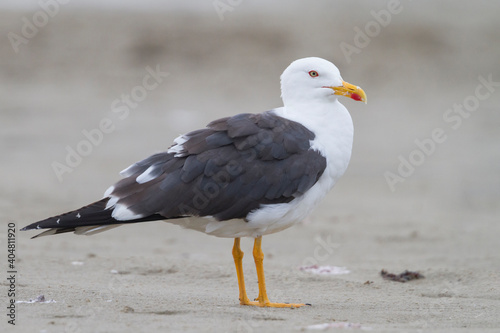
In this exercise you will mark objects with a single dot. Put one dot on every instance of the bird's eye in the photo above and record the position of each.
(313, 73)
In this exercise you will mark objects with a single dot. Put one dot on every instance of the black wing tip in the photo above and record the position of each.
(95, 213)
(32, 226)
(36, 225)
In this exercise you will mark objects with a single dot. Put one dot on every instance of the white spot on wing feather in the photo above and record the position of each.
(146, 176)
(123, 213)
(111, 202)
(126, 172)
(109, 191)
(112, 199)
(178, 148)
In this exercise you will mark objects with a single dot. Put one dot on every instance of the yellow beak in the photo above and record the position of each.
(350, 90)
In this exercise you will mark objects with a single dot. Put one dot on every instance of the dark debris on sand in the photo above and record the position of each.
(403, 277)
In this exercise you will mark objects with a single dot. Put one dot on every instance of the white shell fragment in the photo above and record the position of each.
(325, 270)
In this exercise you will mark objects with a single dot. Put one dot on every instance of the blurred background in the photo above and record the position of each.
(68, 66)
(65, 63)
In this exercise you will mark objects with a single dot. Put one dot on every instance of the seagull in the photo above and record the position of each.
(247, 175)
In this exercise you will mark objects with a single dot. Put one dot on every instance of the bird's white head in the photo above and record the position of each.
(314, 79)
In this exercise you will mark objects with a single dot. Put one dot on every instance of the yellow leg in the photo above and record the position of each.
(238, 262)
(262, 300)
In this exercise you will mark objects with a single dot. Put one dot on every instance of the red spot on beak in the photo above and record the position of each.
(356, 97)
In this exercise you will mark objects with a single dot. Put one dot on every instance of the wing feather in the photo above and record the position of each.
(226, 171)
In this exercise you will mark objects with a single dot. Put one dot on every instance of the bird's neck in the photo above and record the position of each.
(331, 116)
(333, 128)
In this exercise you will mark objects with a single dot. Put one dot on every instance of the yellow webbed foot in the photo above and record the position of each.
(273, 304)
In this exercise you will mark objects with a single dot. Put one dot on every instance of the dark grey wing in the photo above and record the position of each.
(94, 214)
(226, 170)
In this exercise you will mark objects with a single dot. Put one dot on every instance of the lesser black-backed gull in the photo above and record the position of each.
(247, 175)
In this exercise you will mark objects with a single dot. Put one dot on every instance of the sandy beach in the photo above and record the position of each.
(422, 192)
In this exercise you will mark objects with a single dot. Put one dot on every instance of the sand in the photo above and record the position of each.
(440, 217)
